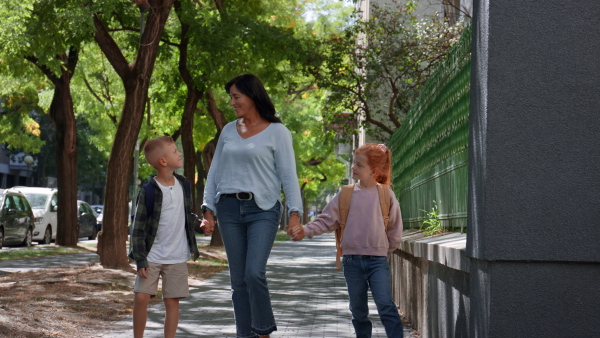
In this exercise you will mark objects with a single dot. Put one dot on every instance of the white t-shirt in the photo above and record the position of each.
(170, 245)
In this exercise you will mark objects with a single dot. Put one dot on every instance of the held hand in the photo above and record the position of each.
(298, 233)
(289, 229)
(293, 221)
(207, 227)
(295, 229)
(143, 272)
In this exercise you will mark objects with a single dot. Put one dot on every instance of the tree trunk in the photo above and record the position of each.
(209, 152)
(61, 111)
(304, 209)
(136, 79)
(216, 239)
(216, 114)
(191, 104)
(201, 177)
(63, 117)
(187, 141)
(207, 155)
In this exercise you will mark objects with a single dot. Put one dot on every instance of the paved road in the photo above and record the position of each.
(308, 295)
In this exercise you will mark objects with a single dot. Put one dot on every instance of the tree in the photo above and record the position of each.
(91, 166)
(249, 39)
(318, 168)
(43, 34)
(136, 77)
(109, 43)
(18, 107)
(376, 68)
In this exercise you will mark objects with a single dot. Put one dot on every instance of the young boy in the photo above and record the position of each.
(161, 243)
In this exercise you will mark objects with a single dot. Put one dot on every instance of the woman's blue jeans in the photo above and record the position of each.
(248, 234)
(362, 273)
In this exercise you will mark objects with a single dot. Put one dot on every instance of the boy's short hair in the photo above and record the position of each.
(154, 149)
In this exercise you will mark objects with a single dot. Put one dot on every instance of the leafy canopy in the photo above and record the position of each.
(375, 69)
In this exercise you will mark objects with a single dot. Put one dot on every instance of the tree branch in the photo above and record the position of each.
(157, 16)
(183, 48)
(91, 90)
(70, 62)
(45, 70)
(460, 9)
(176, 133)
(219, 5)
(124, 29)
(215, 113)
(110, 48)
(168, 42)
(297, 93)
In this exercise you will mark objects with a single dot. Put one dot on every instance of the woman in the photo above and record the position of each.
(253, 160)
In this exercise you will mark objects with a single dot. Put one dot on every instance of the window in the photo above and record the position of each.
(19, 203)
(54, 202)
(37, 201)
(10, 203)
(5, 204)
(23, 205)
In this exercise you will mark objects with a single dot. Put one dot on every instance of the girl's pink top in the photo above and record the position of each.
(365, 232)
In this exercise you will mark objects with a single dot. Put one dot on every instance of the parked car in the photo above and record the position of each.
(86, 221)
(16, 218)
(99, 209)
(44, 203)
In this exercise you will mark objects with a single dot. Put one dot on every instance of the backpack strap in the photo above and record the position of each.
(384, 203)
(345, 197)
(187, 188)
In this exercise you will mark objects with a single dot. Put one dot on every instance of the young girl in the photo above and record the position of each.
(365, 243)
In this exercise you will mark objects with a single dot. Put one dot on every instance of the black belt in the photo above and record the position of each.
(242, 196)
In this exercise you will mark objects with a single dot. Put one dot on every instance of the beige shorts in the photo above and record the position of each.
(174, 280)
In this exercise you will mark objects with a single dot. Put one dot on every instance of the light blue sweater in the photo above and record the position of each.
(260, 164)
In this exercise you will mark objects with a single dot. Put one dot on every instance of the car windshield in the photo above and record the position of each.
(37, 201)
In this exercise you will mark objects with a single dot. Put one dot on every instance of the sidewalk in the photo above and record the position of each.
(47, 262)
(308, 295)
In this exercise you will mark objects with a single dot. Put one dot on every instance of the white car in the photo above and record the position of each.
(98, 208)
(44, 202)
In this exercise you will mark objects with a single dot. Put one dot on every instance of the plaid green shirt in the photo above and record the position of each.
(145, 227)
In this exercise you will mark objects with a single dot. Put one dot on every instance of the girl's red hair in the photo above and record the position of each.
(379, 158)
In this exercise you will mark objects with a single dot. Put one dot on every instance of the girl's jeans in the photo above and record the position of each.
(362, 272)
(248, 234)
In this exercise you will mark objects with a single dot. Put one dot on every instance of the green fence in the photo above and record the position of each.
(430, 154)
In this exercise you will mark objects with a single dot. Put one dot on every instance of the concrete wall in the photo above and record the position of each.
(534, 192)
(431, 283)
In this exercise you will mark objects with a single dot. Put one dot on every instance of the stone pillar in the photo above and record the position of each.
(534, 169)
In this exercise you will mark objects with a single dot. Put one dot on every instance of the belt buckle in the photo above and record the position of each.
(237, 195)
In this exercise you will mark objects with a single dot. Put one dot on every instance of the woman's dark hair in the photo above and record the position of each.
(251, 86)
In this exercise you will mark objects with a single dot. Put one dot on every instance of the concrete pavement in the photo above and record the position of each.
(309, 296)
(309, 299)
